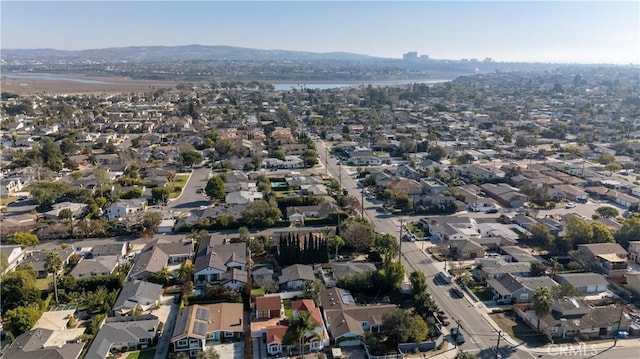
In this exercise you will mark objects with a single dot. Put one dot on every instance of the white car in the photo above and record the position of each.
(570, 205)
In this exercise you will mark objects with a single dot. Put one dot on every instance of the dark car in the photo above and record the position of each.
(457, 335)
(457, 292)
(177, 298)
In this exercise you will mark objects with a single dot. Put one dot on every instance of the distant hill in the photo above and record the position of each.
(181, 53)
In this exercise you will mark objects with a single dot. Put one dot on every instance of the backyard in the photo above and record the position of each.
(516, 328)
(142, 354)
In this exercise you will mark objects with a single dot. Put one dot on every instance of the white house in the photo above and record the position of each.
(125, 207)
(215, 259)
(242, 197)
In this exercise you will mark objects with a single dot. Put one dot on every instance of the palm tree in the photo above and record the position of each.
(542, 302)
(53, 264)
(300, 326)
(337, 242)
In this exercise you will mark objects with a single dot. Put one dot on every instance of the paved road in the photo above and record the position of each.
(190, 199)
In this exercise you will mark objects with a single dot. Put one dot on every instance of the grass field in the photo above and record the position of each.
(258, 292)
(179, 182)
(142, 354)
(7, 200)
(44, 283)
(482, 293)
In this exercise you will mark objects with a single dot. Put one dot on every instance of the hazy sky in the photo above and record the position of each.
(545, 31)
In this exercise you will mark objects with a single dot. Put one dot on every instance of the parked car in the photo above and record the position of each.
(177, 298)
(457, 335)
(444, 318)
(457, 292)
(570, 205)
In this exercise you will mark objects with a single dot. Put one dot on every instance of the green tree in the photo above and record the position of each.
(601, 233)
(357, 235)
(387, 245)
(185, 271)
(21, 319)
(577, 230)
(542, 301)
(151, 221)
(418, 282)
(215, 188)
(537, 269)
(613, 167)
(436, 153)
(160, 194)
(300, 326)
(565, 289)
(190, 158)
(312, 289)
(336, 242)
(607, 212)
(66, 214)
(279, 154)
(18, 289)
(53, 265)
(401, 327)
(24, 239)
(465, 355)
(46, 192)
(539, 232)
(261, 213)
(606, 158)
(389, 278)
(630, 230)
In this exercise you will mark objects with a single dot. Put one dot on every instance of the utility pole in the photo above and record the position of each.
(498, 344)
(400, 239)
(615, 338)
(326, 160)
(455, 340)
(362, 203)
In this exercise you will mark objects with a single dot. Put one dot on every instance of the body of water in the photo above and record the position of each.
(277, 87)
(54, 77)
(326, 86)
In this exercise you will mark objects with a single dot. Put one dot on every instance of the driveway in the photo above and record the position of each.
(162, 350)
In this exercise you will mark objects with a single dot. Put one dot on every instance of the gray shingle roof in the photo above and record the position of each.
(121, 330)
(137, 291)
(297, 272)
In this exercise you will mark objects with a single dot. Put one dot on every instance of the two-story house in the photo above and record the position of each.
(200, 325)
(216, 257)
(609, 259)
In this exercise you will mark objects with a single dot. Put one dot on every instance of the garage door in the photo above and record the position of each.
(591, 288)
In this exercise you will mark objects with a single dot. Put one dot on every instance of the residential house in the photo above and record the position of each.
(215, 258)
(517, 254)
(242, 197)
(274, 339)
(633, 282)
(109, 249)
(634, 251)
(137, 293)
(268, 307)
(341, 270)
(554, 227)
(299, 214)
(262, 273)
(587, 283)
(466, 249)
(405, 171)
(77, 210)
(511, 289)
(317, 338)
(568, 192)
(13, 255)
(505, 195)
(126, 207)
(199, 325)
(606, 258)
(46, 343)
(433, 186)
(294, 276)
(99, 266)
(234, 279)
(573, 317)
(487, 268)
(405, 185)
(523, 221)
(37, 259)
(160, 253)
(122, 334)
(9, 187)
(12, 224)
(452, 228)
(347, 322)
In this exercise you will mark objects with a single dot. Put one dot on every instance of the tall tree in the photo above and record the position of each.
(215, 188)
(542, 301)
(53, 265)
(300, 326)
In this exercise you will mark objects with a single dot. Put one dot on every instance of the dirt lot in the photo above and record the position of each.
(110, 85)
(516, 328)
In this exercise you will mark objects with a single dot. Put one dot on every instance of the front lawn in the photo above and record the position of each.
(44, 283)
(142, 354)
(416, 229)
(257, 292)
(178, 185)
(483, 293)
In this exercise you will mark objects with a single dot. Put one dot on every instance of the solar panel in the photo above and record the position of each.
(200, 328)
(202, 314)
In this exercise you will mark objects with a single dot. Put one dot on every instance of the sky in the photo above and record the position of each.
(540, 31)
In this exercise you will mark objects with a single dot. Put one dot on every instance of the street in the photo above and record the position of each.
(190, 198)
